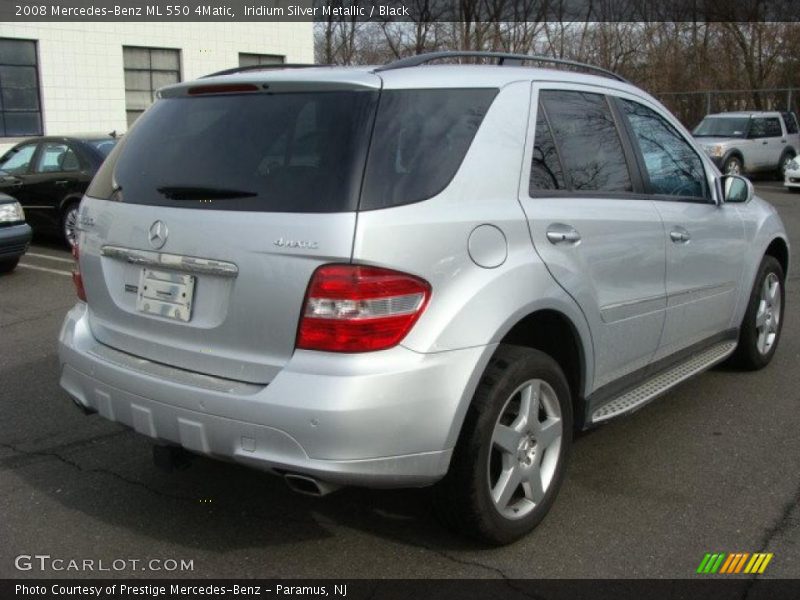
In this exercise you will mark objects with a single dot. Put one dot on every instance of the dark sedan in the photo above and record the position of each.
(15, 234)
(49, 176)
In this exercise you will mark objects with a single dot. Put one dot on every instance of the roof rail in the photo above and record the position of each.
(503, 58)
(263, 68)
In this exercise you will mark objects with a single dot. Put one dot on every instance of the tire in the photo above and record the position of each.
(69, 221)
(733, 166)
(6, 266)
(783, 164)
(762, 324)
(463, 500)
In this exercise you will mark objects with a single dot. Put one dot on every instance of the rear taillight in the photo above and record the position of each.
(77, 279)
(352, 308)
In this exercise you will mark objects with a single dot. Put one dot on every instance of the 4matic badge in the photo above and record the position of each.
(302, 244)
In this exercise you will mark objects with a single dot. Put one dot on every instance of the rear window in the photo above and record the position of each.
(292, 152)
(421, 138)
(103, 147)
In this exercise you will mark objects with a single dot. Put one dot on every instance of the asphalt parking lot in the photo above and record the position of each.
(710, 467)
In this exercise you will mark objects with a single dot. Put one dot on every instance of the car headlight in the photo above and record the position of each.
(715, 150)
(793, 165)
(11, 212)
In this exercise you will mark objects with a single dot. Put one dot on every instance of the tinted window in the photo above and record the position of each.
(790, 121)
(546, 173)
(588, 142)
(421, 138)
(301, 152)
(56, 157)
(722, 127)
(673, 167)
(17, 160)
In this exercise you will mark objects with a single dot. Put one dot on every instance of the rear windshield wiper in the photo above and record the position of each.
(202, 193)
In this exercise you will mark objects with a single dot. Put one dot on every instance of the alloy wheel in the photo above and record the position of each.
(524, 451)
(734, 168)
(768, 315)
(71, 225)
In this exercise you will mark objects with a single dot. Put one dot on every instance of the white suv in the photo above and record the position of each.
(411, 275)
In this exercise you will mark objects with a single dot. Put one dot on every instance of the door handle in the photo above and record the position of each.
(559, 233)
(679, 235)
(62, 182)
(764, 143)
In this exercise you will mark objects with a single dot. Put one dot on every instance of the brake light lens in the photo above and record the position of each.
(353, 308)
(77, 278)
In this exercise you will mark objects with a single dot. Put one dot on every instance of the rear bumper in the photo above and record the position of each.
(14, 240)
(386, 419)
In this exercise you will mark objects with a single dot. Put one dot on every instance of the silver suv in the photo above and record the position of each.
(750, 142)
(411, 275)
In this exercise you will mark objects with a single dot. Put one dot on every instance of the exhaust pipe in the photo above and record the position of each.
(82, 407)
(303, 484)
(171, 458)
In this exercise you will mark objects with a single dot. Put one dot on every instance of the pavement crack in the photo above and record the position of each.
(38, 316)
(464, 561)
(777, 528)
(782, 522)
(97, 470)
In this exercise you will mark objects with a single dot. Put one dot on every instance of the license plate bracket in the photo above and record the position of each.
(166, 294)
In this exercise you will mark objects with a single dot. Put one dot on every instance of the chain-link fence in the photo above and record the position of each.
(691, 107)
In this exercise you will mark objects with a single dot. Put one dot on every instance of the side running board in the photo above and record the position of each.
(648, 390)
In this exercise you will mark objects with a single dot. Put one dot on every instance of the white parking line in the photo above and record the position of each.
(48, 257)
(46, 270)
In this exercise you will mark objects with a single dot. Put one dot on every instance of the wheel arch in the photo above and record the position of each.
(71, 198)
(732, 153)
(553, 333)
(779, 249)
(540, 328)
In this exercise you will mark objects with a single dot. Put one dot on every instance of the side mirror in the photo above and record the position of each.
(736, 188)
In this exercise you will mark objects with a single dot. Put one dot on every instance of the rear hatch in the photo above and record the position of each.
(202, 229)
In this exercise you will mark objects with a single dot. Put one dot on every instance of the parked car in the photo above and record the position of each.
(412, 275)
(792, 176)
(750, 142)
(49, 176)
(15, 233)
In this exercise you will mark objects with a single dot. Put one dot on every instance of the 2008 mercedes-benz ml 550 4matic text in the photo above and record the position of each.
(409, 275)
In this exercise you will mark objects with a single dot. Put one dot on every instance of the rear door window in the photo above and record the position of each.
(758, 128)
(57, 157)
(289, 152)
(774, 127)
(588, 142)
(420, 140)
(546, 171)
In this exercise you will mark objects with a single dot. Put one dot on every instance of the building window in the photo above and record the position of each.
(252, 60)
(147, 70)
(20, 109)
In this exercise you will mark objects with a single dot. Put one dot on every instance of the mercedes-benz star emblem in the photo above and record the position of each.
(158, 234)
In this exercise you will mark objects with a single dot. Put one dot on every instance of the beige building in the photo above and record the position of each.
(65, 78)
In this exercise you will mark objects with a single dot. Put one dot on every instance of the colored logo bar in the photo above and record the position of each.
(734, 562)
